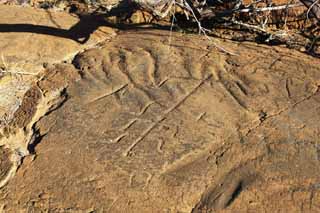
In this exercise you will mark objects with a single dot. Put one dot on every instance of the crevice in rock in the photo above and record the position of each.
(224, 192)
(235, 194)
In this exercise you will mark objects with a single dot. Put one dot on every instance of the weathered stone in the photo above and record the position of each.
(31, 39)
(5, 163)
(153, 127)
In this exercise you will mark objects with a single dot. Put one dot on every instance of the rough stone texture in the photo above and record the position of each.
(12, 89)
(33, 46)
(152, 127)
(31, 39)
(5, 163)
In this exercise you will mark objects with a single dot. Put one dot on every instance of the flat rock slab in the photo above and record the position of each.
(31, 39)
(153, 127)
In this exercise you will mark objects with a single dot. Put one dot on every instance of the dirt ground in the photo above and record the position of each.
(152, 121)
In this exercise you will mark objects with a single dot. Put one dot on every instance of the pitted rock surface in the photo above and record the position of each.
(5, 163)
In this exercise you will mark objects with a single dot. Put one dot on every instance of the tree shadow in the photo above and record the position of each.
(88, 24)
(81, 31)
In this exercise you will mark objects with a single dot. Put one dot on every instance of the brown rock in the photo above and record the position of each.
(153, 127)
(29, 39)
(5, 163)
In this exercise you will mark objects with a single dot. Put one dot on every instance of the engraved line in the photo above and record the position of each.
(108, 94)
(163, 117)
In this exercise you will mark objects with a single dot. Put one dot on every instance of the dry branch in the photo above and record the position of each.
(314, 7)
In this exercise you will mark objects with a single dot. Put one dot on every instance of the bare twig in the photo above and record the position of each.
(264, 9)
(172, 22)
(201, 29)
(311, 7)
(250, 26)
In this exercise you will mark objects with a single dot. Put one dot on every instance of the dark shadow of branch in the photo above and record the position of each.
(80, 32)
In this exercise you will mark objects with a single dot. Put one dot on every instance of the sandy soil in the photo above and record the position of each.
(148, 121)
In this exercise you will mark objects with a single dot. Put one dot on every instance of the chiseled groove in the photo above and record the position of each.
(108, 93)
(154, 69)
(163, 116)
(122, 64)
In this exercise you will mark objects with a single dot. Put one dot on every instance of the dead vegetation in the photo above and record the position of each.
(294, 23)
